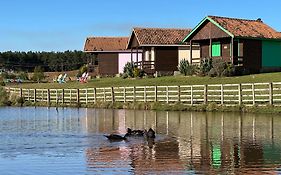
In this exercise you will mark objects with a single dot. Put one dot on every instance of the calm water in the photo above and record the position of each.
(70, 141)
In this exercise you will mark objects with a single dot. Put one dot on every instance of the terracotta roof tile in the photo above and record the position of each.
(246, 28)
(160, 36)
(105, 43)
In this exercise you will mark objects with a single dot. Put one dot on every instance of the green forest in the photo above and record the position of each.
(49, 61)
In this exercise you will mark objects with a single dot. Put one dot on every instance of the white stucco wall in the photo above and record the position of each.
(123, 58)
(184, 53)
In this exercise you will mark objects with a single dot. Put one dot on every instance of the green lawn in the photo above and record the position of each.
(170, 80)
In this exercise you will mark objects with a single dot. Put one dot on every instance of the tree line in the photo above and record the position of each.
(49, 61)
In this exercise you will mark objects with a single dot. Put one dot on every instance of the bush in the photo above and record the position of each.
(83, 69)
(229, 71)
(129, 69)
(183, 67)
(38, 74)
(212, 73)
(23, 76)
(219, 66)
(206, 65)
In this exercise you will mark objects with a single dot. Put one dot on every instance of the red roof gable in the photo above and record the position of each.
(105, 43)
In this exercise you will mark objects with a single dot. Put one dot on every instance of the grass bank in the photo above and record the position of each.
(169, 107)
(159, 81)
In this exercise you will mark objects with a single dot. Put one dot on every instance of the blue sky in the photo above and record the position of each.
(59, 25)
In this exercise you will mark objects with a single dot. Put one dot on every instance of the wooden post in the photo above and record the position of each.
(270, 93)
(34, 95)
(48, 97)
(167, 94)
(104, 95)
(232, 50)
(222, 94)
(112, 95)
(86, 96)
(191, 95)
(190, 45)
(179, 93)
(42, 95)
(240, 94)
(95, 95)
(28, 94)
(205, 94)
(134, 93)
(57, 97)
(144, 94)
(62, 96)
(124, 94)
(155, 93)
(70, 96)
(253, 94)
(21, 92)
(78, 96)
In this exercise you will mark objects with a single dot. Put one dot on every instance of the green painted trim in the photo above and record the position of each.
(212, 21)
(216, 49)
(238, 47)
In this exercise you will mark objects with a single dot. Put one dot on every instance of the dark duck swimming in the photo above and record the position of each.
(115, 137)
(150, 134)
(131, 132)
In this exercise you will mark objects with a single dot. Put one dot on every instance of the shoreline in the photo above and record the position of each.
(157, 106)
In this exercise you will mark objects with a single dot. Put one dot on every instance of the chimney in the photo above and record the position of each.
(259, 20)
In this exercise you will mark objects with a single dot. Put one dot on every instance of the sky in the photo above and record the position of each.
(59, 25)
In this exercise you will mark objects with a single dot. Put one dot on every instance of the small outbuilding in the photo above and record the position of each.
(109, 54)
(161, 48)
(250, 44)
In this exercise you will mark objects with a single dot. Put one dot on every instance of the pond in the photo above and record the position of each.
(71, 141)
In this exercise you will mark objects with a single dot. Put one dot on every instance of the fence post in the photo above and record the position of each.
(21, 92)
(63, 96)
(167, 94)
(70, 96)
(48, 97)
(134, 93)
(78, 96)
(191, 95)
(124, 94)
(205, 94)
(104, 95)
(179, 93)
(253, 94)
(95, 95)
(155, 93)
(34, 95)
(112, 94)
(222, 94)
(270, 93)
(86, 96)
(144, 94)
(240, 94)
(28, 94)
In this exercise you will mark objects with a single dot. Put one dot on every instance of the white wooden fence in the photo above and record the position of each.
(228, 94)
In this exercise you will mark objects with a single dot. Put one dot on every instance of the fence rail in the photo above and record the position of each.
(227, 94)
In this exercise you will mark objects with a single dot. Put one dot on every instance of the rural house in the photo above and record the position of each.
(109, 54)
(162, 48)
(250, 44)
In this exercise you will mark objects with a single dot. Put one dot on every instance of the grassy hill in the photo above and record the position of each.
(169, 80)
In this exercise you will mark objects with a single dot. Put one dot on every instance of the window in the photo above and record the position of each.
(216, 49)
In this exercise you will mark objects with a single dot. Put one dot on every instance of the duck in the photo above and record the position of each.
(150, 133)
(115, 137)
(131, 132)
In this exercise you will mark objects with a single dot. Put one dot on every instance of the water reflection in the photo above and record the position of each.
(194, 142)
(186, 143)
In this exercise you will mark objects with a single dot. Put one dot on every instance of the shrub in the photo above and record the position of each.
(219, 66)
(38, 74)
(206, 65)
(83, 69)
(23, 76)
(129, 69)
(228, 71)
(212, 73)
(183, 67)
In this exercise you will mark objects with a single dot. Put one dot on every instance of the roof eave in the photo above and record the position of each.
(201, 22)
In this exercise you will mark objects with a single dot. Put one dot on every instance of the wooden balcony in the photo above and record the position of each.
(147, 66)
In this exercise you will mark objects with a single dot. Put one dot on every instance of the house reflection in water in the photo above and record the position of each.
(188, 142)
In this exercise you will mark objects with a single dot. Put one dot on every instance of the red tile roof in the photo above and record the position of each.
(160, 36)
(105, 43)
(246, 28)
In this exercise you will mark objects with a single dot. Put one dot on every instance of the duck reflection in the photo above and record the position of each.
(190, 142)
